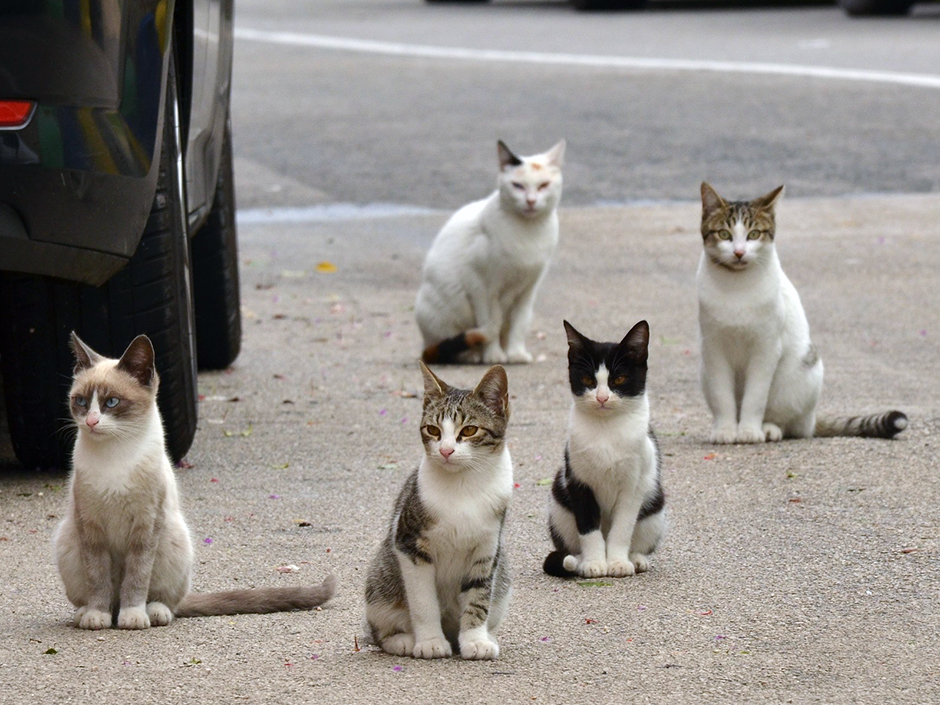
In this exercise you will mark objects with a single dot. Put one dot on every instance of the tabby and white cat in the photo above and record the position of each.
(607, 511)
(484, 267)
(440, 580)
(123, 547)
(761, 374)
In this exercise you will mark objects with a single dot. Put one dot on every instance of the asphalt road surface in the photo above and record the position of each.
(806, 571)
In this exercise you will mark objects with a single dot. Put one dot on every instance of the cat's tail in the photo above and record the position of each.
(447, 351)
(257, 601)
(557, 564)
(886, 425)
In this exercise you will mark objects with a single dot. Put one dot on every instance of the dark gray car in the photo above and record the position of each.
(117, 206)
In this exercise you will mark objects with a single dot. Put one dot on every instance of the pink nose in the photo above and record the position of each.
(739, 254)
(447, 452)
(602, 398)
(91, 420)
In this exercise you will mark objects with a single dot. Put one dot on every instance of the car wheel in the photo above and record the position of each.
(215, 274)
(860, 8)
(151, 295)
(592, 5)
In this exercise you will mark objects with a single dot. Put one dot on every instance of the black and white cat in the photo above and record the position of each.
(607, 511)
(761, 374)
(440, 579)
(484, 267)
(123, 548)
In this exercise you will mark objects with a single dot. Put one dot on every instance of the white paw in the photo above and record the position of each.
(94, 619)
(640, 562)
(750, 434)
(495, 356)
(133, 618)
(593, 569)
(620, 569)
(160, 615)
(479, 650)
(520, 356)
(401, 644)
(724, 435)
(436, 647)
(772, 432)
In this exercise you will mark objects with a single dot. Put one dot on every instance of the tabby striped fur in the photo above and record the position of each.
(440, 579)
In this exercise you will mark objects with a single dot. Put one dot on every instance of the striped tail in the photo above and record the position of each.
(447, 351)
(258, 601)
(886, 425)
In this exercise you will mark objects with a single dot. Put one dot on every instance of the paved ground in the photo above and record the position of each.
(801, 572)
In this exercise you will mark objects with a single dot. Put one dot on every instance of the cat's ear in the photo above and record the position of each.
(506, 157)
(768, 200)
(85, 357)
(137, 360)
(556, 155)
(493, 390)
(711, 201)
(433, 385)
(636, 343)
(575, 339)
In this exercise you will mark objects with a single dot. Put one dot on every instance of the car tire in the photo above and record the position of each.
(861, 8)
(151, 295)
(216, 298)
(608, 5)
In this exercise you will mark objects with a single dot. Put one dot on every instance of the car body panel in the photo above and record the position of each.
(81, 174)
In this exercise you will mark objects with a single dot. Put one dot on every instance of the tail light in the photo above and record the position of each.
(15, 113)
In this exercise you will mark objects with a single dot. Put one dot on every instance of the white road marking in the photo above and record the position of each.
(587, 60)
(328, 213)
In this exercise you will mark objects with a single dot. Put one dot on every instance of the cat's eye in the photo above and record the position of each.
(112, 402)
(468, 431)
(724, 234)
(620, 380)
(519, 186)
(587, 381)
(754, 235)
(81, 401)
(433, 431)
(544, 186)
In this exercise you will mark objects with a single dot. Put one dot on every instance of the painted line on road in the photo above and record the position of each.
(587, 60)
(329, 213)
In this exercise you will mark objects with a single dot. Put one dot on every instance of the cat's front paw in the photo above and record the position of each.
(620, 569)
(593, 569)
(402, 644)
(495, 355)
(479, 649)
(133, 618)
(435, 647)
(94, 619)
(160, 615)
(640, 562)
(520, 356)
(750, 434)
(772, 432)
(725, 434)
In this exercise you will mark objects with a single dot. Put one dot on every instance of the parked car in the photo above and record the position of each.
(117, 202)
(860, 8)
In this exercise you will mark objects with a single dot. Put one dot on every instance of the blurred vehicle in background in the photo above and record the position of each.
(117, 204)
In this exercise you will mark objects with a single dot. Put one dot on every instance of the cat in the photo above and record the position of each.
(761, 374)
(440, 580)
(123, 547)
(483, 270)
(607, 507)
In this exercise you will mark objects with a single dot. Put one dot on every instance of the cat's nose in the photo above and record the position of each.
(446, 452)
(739, 254)
(602, 397)
(91, 420)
